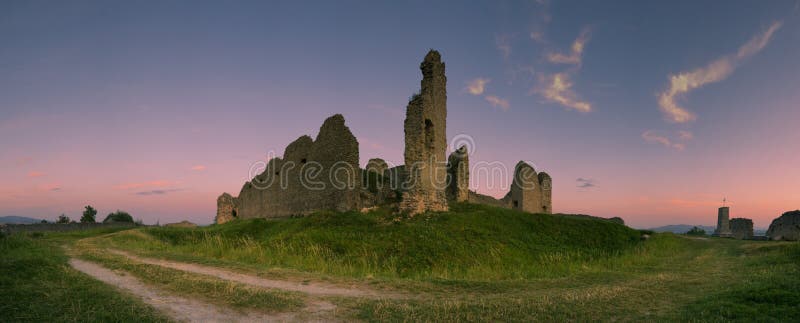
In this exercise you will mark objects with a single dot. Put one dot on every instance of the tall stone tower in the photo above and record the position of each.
(426, 141)
(723, 223)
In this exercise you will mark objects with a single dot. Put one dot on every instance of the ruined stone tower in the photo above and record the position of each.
(530, 192)
(426, 141)
(458, 175)
(723, 224)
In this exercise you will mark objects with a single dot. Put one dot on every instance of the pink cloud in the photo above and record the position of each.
(199, 167)
(35, 174)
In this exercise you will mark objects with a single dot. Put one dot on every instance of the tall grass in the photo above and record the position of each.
(471, 242)
(37, 285)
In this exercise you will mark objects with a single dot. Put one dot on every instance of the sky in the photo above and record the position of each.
(653, 111)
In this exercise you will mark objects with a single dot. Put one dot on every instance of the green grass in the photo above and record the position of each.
(471, 242)
(475, 263)
(209, 289)
(37, 285)
(670, 279)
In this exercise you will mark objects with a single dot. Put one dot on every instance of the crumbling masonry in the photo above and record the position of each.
(324, 173)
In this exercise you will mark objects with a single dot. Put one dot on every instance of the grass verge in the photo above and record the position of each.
(38, 285)
(196, 286)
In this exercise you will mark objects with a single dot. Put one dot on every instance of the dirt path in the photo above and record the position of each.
(178, 308)
(316, 289)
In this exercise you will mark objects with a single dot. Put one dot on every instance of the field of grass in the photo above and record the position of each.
(471, 242)
(37, 285)
(475, 263)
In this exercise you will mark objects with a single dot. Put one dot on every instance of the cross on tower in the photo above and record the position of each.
(724, 200)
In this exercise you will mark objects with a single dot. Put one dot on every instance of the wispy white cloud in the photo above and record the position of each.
(654, 137)
(558, 88)
(503, 43)
(537, 36)
(477, 86)
(497, 102)
(717, 70)
(575, 55)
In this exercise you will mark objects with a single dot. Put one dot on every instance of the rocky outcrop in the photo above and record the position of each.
(785, 227)
(741, 228)
(426, 141)
(458, 175)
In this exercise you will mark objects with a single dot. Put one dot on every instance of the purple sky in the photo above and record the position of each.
(651, 111)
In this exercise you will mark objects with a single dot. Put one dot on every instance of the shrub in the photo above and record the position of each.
(119, 216)
(63, 218)
(696, 232)
(88, 215)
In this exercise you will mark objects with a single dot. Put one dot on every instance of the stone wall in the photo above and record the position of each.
(546, 186)
(741, 228)
(458, 175)
(59, 227)
(525, 194)
(321, 174)
(227, 209)
(377, 166)
(426, 141)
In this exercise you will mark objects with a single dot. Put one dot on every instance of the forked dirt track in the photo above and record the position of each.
(311, 288)
(192, 310)
(178, 308)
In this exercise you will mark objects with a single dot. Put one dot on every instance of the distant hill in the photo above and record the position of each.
(683, 228)
(18, 220)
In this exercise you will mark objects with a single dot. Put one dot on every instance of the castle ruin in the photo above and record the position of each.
(723, 223)
(324, 173)
(737, 228)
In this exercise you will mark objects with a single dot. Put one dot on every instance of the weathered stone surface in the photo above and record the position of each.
(741, 228)
(785, 227)
(377, 166)
(546, 186)
(312, 175)
(478, 198)
(226, 209)
(426, 141)
(525, 192)
(723, 223)
(323, 173)
(458, 175)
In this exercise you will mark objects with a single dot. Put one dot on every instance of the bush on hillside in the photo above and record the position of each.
(696, 232)
(119, 216)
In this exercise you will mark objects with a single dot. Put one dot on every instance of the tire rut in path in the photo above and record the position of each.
(316, 289)
(177, 308)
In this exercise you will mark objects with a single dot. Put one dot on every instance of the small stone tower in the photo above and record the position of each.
(426, 141)
(723, 223)
(546, 186)
(458, 175)
(525, 194)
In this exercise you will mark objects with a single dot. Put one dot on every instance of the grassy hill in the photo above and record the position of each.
(472, 242)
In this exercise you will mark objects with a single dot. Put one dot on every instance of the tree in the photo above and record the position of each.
(119, 216)
(63, 218)
(88, 215)
(696, 232)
